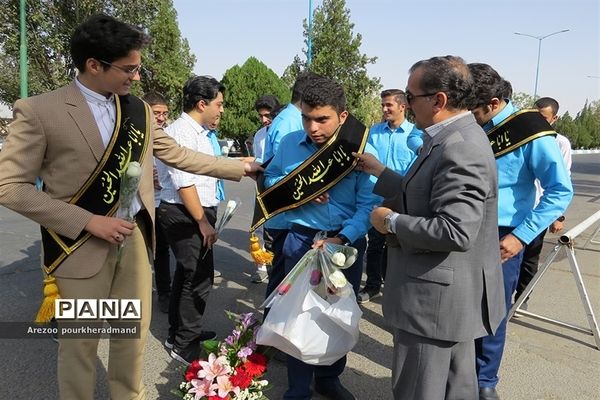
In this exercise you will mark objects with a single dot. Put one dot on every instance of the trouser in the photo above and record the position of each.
(376, 259)
(128, 278)
(162, 261)
(300, 374)
(425, 368)
(489, 349)
(194, 274)
(274, 239)
(529, 265)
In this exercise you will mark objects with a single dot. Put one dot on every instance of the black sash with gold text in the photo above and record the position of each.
(100, 192)
(518, 129)
(320, 172)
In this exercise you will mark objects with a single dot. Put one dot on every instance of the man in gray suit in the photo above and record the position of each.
(441, 225)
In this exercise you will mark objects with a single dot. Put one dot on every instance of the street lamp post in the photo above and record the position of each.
(309, 41)
(539, 39)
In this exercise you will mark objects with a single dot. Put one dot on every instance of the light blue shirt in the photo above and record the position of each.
(350, 200)
(517, 171)
(287, 121)
(392, 147)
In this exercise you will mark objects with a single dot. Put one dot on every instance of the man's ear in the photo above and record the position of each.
(201, 105)
(343, 116)
(93, 66)
(441, 101)
(495, 103)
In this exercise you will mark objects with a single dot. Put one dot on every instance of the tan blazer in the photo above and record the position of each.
(54, 136)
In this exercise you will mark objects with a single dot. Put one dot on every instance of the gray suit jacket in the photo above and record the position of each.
(55, 136)
(444, 278)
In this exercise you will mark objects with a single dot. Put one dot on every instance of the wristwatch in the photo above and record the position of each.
(387, 222)
(561, 218)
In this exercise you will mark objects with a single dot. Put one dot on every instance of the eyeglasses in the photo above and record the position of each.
(161, 113)
(410, 97)
(129, 71)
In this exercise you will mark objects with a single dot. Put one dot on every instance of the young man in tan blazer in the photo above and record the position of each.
(63, 137)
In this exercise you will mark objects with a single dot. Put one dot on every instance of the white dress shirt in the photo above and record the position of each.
(104, 111)
(188, 133)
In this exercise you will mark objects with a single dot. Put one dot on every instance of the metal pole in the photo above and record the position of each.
(23, 51)
(309, 42)
(537, 70)
(539, 39)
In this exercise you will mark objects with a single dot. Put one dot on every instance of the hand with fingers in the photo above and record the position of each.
(113, 230)
(369, 164)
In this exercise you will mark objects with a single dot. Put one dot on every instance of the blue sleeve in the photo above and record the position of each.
(415, 140)
(545, 162)
(357, 226)
(275, 170)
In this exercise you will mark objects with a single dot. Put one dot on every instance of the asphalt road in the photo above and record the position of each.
(542, 361)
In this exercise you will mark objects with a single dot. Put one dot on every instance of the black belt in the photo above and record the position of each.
(305, 230)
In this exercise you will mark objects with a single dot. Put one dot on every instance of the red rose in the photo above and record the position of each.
(284, 288)
(241, 378)
(255, 364)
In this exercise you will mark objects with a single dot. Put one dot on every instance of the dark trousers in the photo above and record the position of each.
(530, 263)
(162, 261)
(300, 374)
(193, 274)
(376, 260)
(489, 349)
(274, 239)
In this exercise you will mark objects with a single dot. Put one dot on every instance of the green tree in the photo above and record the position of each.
(336, 54)
(243, 85)
(50, 24)
(566, 126)
(522, 100)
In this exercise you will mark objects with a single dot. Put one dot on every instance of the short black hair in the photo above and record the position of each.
(488, 84)
(154, 98)
(302, 81)
(105, 38)
(448, 74)
(200, 88)
(268, 102)
(322, 91)
(398, 95)
(544, 102)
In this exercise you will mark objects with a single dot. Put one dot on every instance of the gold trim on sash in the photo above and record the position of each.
(123, 162)
(516, 130)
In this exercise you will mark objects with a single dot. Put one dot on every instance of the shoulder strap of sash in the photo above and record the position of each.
(320, 172)
(100, 192)
(518, 129)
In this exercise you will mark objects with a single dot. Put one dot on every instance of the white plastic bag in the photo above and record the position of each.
(306, 320)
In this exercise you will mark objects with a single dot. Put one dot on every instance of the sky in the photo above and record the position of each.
(224, 33)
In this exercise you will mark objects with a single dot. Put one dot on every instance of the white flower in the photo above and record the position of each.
(225, 150)
(338, 279)
(231, 204)
(134, 169)
(338, 258)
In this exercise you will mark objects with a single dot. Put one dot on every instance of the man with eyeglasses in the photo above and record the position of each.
(525, 148)
(443, 282)
(162, 256)
(79, 139)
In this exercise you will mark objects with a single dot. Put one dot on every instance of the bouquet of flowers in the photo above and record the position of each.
(325, 275)
(233, 368)
(232, 207)
(314, 316)
(130, 181)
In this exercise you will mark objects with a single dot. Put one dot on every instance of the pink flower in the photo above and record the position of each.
(202, 388)
(225, 386)
(214, 367)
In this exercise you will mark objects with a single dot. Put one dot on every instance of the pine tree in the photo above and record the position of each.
(336, 54)
(243, 86)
